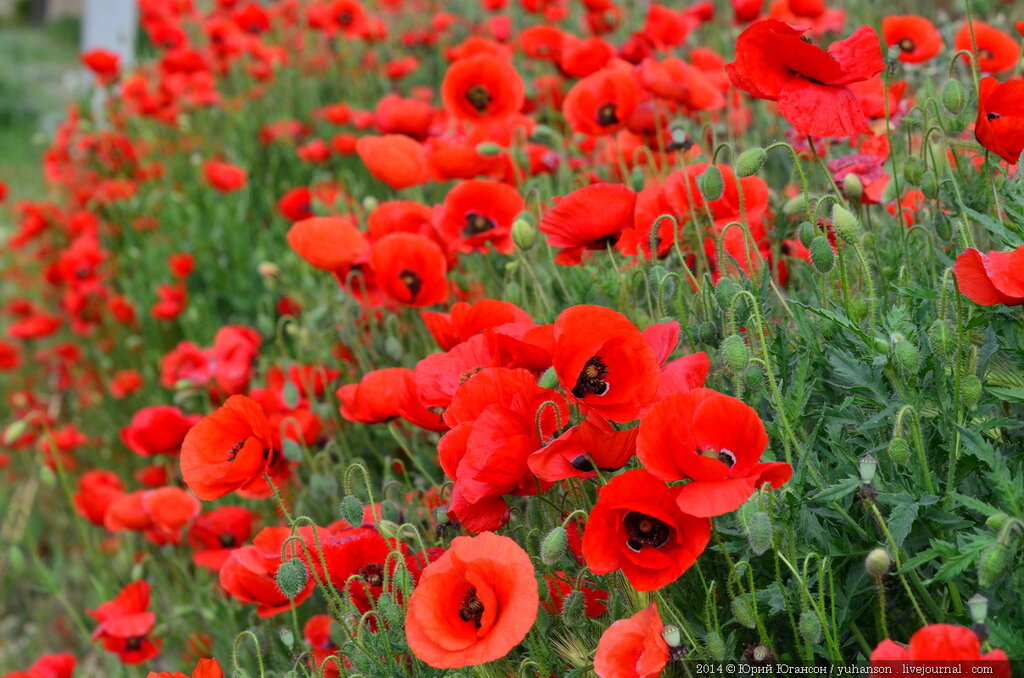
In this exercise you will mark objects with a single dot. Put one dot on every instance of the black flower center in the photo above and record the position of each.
(134, 643)
(471, 608)
(581, 463)
(725, 456)
(227, 541)
(373, 573)
(477, 224)
(643, 530)
(233, 452)
(479, 98)
(412, 282)
(992, 116)
(906, 44)
(607, 115)
(592, 379)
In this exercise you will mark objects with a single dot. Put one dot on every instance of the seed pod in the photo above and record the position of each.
(711, 183)
(940, 339)
(977, 606)
(742, 612)
(292, 577)
(899, 450)
(810, 627)
(735, 353)
(914, 170)
(853, 187)
(553, 546)
(992, 564)
(845, 223)
(906, 358)
(750, 161)
(759, 532)
(971, 391)
(524, 235)
(822, 256)
(953, 96)
(670, 634)
(715, 645)
(878, 562)
(352, 510)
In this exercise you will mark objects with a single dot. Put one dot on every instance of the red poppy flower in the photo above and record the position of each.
(328, 243)
(592, 217)
(808, 83)
(97, 490)
(595, 600)
(633, 647)
(157, 430)
(478, 212)
(224, 176)
(125, 623)
(466, 320)
(917, 37)
(580, 451)
(227, 450)
(939, 643)
(482, 86)
(997, 50)
(249, 574)
(603, 362)
(104, 63)
(1000, 123)
(473, 604)
(993, 278)
(48, 666)
(542, 41)
(399, 216)
(637, 527)
(215, 534)
(601, 103)
(411, 268)
(395, 159)
(714, 439)
(205, 668)
(317, 632)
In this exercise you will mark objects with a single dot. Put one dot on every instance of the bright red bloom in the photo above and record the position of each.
(249, 574)
(157, 430)
(227, 450)
(217, 533)
(603, 362)
(592, 217)
(206, 668)
(633, 647)
(917, 37)
(638, 527)
(808, 83)
(479, 212)
(482, 86)
(601, 103)
(395, 159)
(317, 632)
(993, 278)
(97, 490)
(997, 50)
(48, 666)
(181, 265)
(411, 268)
(714, 439)
(104, 63)
(1000, 123)
(125, 623)
(224, 176)
(234, 350)
(328, 243)
(940, 642)
(474, 604)
(466, 320)
(580, 451)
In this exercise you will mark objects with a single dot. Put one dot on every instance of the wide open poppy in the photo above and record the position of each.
(638, 527)
(478, 212)
(227, 450)
(601, 103)
(997, 50)
(482, 86)
(808, 83)
(125, 623)
(993, 278)
(223, 176)
(714, 439)
(466, 320)
(473, 604)
(633, 647)
(157, 430)
(917, 37)
(603, 362)
(1000, 123)
(411, 268)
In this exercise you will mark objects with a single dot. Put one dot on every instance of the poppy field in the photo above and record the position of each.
(521, 338)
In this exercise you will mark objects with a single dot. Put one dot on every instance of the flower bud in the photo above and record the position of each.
(899, 450)
(905, 358)
(488, 149)
(549, 379)
(853, 187)
(759, 532)
(291, 577)
(390, 510)
(524, 235)
(997, 520)
(971, 390)
(370, 203)
(714, 645)
(750, 161)
(822, 256)
(953, 96)
(992, 564)
(878, 562)
(735, 353)
(845, 223)
(572, 606)
(794, 205)
(914, 170)
(929, 184)
(941, 339)
(352, 510)
(742, 612)
(806, 232)
(553, 546)
(725, 290)
(390, 610)
(711, 183)
(810, 627)
(388, 529)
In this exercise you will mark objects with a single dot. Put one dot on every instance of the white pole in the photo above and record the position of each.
(113, 25)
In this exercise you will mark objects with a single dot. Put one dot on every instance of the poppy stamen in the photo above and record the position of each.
(592, 379)
(723, 455)
(233, 452)
(906, 44)
(134, 643)
(992, 116)
(227, 541)
(471, 608)
(644, 530)
(581, 463)
(412, 282)
(477, 224)
(607, 115)
(479, 98)
(373, 573)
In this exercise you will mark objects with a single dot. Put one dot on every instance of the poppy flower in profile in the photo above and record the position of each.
(125, 623)
(603, 362)
(482, 86)
(104, 63)
(997, 50)
(716, 440)
(473, 604)
(478, 212)
(249, 574)
(917, 37)
(227, 450)
(578, 453)
(589, 218)
(97, 490)
(808, 83)
(938, 643)
(602, 102)
(993, 278)
(1000, 123)
(48, 666)
(633, 647)
(157, 430)
(215, 534)
(411, 268)
(466, 320)
(637, 527)
(395, 159)
(328, 243)
(223, 176)
(205, 668)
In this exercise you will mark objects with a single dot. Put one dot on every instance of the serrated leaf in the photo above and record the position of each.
(975, 504)
(1013, 394)
(841, 489)
(900, 521)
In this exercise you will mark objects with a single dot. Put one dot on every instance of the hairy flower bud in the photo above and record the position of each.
(711, 183)
(553, 546)
(822, 256)
(878, 562)
(750, 161)
(291, 577)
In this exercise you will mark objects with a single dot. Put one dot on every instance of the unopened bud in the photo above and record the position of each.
(714, 645)
(823, 258)
(997, 520)
(488, 149)
(524, 235)
(759, 532)
(735, 353)
(899, 450)
(929, 184)
(742, 612)
(914, 170)
(992, 564)
(845, 223)
(810, 627)
(906, 358)
(878, 562)
(553, 546)
(971, 390)
(711, 183)
(806, 232)
(853, 187)
(953, 96)
(370, 203)
(750, 161)
(292, 577)
(388, 529)
(549, 379)
(352, 510)
(794, 205)
(941, 339)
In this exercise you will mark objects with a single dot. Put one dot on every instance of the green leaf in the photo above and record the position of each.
(900, 521)
(841, 489)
